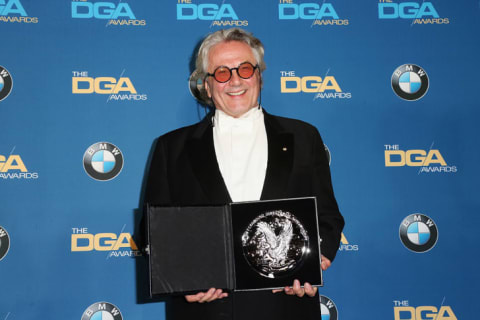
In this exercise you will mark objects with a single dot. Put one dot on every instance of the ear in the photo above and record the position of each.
(207, 88)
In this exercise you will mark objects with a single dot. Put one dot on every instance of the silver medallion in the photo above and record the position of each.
(275, 243)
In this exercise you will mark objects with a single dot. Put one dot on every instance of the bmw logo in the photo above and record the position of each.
(102, 311)
(418, 232)
(103, 161)
(6, 83)
(4, 242)
(328, 308)
(410, 82)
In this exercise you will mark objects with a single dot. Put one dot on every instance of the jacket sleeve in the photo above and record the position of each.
(330, 220)
(157, 191)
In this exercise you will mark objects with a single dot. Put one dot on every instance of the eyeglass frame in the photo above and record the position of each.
(231, 71)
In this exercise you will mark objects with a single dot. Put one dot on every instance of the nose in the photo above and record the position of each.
(235, 79)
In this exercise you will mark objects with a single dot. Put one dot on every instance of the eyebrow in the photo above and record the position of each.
(233, 67)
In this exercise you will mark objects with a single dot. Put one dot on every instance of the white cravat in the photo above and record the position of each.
(241, 148)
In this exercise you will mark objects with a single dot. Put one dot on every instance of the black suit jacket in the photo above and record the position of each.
(184, 171)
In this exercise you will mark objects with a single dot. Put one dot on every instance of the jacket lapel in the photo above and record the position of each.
(280, 159)
(201, 153)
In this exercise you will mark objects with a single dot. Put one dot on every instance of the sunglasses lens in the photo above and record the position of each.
(222, 74)
(246, 70)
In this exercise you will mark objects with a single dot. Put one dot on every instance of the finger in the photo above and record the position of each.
(207, 295)
(223, 295)
(297, 289)
(326, 263)
(309, 289)
(289, 291)
(215, 295)
(277, 290)
(194, 297)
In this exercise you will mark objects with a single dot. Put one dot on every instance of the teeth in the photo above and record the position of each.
(236, 93)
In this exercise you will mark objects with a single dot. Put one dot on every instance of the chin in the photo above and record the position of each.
(237, 112)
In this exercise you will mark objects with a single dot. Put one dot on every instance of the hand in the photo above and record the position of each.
(326, 263)
(210, 295)
(297, 290)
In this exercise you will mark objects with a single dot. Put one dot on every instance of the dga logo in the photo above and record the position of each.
(418, 232)
(429, 160)
(323, 88)
(328, 308)
(117, 13)
(4, 242)
(420, 12)
(221, 15)
(410, 82)
(13, 11)
(402, 311)
(321, 14)
(13, 167)
(346, 246)
(118, 89)
(6, 83)
(102, 310)
(119, 245)
(103, 161)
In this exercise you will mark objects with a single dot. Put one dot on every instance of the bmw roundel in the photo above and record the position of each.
(410, 82)
(102, 311)
(4, 242)
(6, 83)
(328, 308)
(418, 232)
(103, 161)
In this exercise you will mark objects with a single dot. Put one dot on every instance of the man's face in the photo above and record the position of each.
(236, 96)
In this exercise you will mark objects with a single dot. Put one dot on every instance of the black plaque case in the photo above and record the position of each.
(192, 249)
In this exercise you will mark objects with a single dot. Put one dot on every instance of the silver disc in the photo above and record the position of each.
(275, 243)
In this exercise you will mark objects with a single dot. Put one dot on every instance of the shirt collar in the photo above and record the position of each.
(223, 121)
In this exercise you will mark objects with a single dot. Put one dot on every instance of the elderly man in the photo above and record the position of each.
(239, 152)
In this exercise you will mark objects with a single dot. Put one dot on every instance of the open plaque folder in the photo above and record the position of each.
(237, 247)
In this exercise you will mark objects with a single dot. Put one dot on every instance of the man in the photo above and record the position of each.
(242, 153)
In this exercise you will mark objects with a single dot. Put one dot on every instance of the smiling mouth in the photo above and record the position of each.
(236, 93)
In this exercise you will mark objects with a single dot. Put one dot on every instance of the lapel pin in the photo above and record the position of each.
(284, 149)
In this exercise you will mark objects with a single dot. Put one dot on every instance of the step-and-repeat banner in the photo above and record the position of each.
(392, 86)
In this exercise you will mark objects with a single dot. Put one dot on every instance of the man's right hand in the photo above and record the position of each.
(210, 295)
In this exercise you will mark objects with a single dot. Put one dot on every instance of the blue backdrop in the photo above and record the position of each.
(90, 75)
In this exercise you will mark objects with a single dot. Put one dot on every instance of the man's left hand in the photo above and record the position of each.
(307, 289)
(297, 290)
(326, 263)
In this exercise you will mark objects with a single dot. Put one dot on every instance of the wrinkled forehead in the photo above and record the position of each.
(230, 54)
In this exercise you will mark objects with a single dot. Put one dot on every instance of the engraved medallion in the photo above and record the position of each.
(275, 244)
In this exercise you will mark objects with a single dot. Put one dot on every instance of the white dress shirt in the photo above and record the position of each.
(241, 148)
